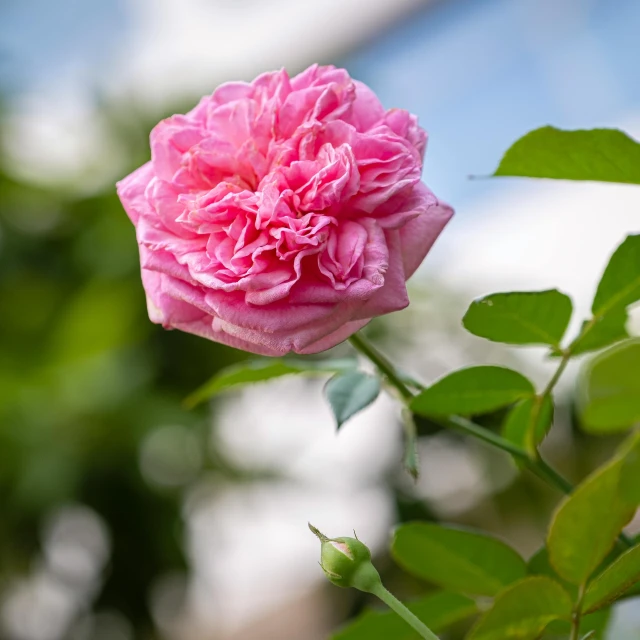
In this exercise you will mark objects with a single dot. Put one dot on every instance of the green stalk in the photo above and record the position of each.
(395, 605)
(384, 366)
(566, 356)
(535, 464)
(577, 615)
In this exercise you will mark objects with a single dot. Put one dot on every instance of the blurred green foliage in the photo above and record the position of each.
(84, 376)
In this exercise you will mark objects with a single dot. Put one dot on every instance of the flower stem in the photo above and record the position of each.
(535, 464)
(556, 376)
(547, 473)
(481, 433)
(577, 615)
(394, 604)
(361, 344)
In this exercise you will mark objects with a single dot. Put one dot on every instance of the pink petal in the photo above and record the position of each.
(392, 296)
(131, 191)
(418, 235)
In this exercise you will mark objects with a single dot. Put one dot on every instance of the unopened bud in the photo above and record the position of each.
(347, 562)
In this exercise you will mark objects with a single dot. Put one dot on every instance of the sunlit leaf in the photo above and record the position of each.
(620, 283)
(615, 580)
(601, 332)
(587, 522)
(536, 317)
(604, 155)
(610, 389)
(456, 559)
(473, 390)
(630, 476)
(539, 565)
(437, 610)
(349, 392)
(523, 610)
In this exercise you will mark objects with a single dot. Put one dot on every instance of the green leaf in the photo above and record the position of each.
(473, 390)
(620, 283)
(350, 392)
(539, 565)
(609, 397)
(529, 422)
(262, 370)
(630, 476)
(604, 155)
(523, 610)
(594, 625)
(437, 610)
(619, 287)
(587, 522)
(455, 558)
(601, 332)
(614, 581)
(537, 317)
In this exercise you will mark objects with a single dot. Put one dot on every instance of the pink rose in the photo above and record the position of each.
(284, 214)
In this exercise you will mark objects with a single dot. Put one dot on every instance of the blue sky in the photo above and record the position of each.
(479, 73)
(482, 73)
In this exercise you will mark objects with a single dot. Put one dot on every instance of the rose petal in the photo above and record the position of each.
(282, 214)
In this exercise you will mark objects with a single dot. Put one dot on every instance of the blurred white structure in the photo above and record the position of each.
(170, 51)
(183, 47)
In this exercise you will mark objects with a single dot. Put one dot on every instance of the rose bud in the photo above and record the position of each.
(282, 214)
(347, 562)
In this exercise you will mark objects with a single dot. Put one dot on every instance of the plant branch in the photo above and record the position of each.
(395, 605)
(538, 466)
(535, 464)
(577, 615)
(459, 423)
(566, 356)
(384, 366)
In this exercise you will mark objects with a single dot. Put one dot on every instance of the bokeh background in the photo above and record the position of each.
(122, 514)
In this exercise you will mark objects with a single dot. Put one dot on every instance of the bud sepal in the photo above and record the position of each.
(347, 562)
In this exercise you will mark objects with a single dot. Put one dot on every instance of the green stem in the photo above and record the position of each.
(566, 356)
(577, 615)
(471, 428)
(550, 475)
(535, 464)
(361, 344)
(395, 605)
(384, 366)
(410, 444)
(538, 466)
